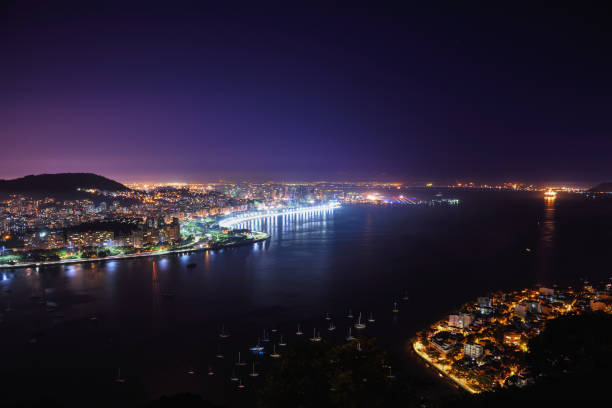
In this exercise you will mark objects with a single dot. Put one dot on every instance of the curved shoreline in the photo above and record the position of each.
(454, 379)
(129, 256)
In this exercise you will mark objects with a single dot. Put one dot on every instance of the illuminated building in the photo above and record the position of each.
(473, 351)
(512, 338)
(461, 320)
(90, 238)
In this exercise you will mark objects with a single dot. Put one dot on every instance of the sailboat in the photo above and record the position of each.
(395, 308)
(405, 297)
(358, 346)
(241, 385)
(224, 334)
(266, 338)
(299, 331)
(258, 348)
(327, 316)
(359, 324)
(390, 376)
(350, 336)
(254, 373)
(233, 377)
(281, 342)
(219, 352)
(274, 353)
(119, 379)
(331, 327)
(210, 371)
(350, 314)
(315, 337)
(240, 362)
(371, 318)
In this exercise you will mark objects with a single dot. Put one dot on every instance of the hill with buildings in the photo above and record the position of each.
(59, 184)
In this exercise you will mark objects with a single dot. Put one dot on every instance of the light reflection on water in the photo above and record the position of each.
(545, 248)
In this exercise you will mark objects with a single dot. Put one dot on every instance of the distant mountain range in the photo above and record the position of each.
(602, 188)
(59, 184)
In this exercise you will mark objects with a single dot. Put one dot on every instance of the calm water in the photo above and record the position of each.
(157, 319)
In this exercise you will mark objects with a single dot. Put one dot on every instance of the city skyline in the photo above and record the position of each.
(398, 93)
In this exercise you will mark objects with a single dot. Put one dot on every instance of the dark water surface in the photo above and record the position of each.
(157, 319)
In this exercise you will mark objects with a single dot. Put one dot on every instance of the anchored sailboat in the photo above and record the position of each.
(281, 342)
(359, 324)
(315, 336)
(254, 373)
(224, 334)
(240, 362)
(274, 353)
(350, 336)
(119, 379)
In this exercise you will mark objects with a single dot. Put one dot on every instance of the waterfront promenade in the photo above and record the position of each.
(261, 237)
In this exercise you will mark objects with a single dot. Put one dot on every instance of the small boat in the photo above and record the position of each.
(359, 325)
(241, 385)
(405, 297)
(258, 348)
(390, 376)
(266, 338)
(327, 316)
(119, 379)
(240, 362)
(233, 377)
(299, 331)
(350, 336)
(395, 308)
(254, 373)
(281, 342)
(350, 314)
(371, 318)
(315, 337)
(331, 327)
(210, 371)
(219, 352)
(224, 334)
(190, 372)
(274, 353)
(51, 306)
(358, 346)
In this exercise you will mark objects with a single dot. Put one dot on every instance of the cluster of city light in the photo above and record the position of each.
(250, 216)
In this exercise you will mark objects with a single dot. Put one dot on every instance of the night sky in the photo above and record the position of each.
(183, 92)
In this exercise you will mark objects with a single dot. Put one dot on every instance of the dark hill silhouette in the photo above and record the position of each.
(60, 183)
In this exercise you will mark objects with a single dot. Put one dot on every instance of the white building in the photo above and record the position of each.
(473, 351)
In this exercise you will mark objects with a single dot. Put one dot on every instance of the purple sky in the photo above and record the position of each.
(195, 94)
